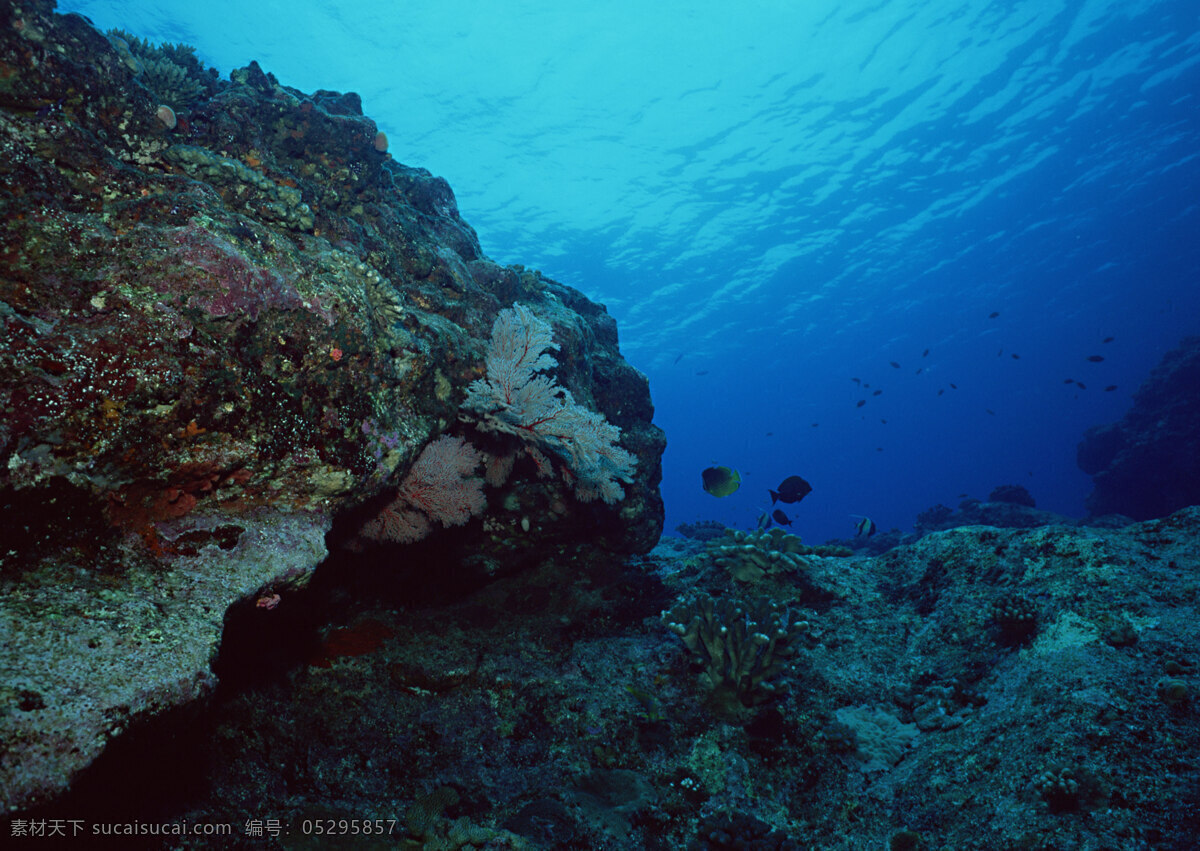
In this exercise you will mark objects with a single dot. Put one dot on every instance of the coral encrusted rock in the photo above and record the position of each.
(1147, 465)
(225, 335)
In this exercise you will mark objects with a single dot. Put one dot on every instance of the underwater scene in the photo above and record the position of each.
(466, 425)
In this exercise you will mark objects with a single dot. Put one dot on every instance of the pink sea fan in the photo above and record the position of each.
(496, 468)
(440, 486)
(396, 522)
(441, 483)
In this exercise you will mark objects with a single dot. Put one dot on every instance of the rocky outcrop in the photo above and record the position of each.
(1002, 510)
(230, 323)
(1147, 465)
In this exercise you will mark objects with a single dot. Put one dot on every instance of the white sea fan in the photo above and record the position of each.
(516, 398)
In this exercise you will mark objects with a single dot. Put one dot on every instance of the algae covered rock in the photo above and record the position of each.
(227, 333)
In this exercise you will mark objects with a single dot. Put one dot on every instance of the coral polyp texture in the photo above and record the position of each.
(228, 319)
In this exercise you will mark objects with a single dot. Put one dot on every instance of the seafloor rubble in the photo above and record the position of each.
(981, 688)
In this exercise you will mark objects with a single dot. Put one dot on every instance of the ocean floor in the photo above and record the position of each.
(981, 688)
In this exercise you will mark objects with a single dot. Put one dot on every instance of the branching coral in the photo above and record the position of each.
(741, 648)
(750, 556)
(171, 71)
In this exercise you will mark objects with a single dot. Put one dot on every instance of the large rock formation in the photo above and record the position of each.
(230, 323)
(1148, 464)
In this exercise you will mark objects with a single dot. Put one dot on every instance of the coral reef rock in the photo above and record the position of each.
(230, 323)
(1001, 513)
(1148, 464)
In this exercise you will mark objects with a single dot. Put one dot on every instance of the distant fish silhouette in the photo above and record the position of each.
(1068, 381)
(1081, 385)
(925, 353)
(894, 364)
(791, 489)
(1110, 388)
(941, 390)
(1015, 356)
(814, 425)
(920, 369)
(1095, 358)
(779, 517)
(884, 422)
(990, 411)
(877, 392)
(702, 372)
(860, 403)
(678, 358)
(1108, 339)
(993, 314)
(857, 380)
(953, 386)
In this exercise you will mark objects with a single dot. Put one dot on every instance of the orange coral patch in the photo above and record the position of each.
(364, 637)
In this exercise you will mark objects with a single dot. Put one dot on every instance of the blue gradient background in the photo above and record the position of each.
(775, 197)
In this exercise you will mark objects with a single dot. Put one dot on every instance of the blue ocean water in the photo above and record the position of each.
(779, 200)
